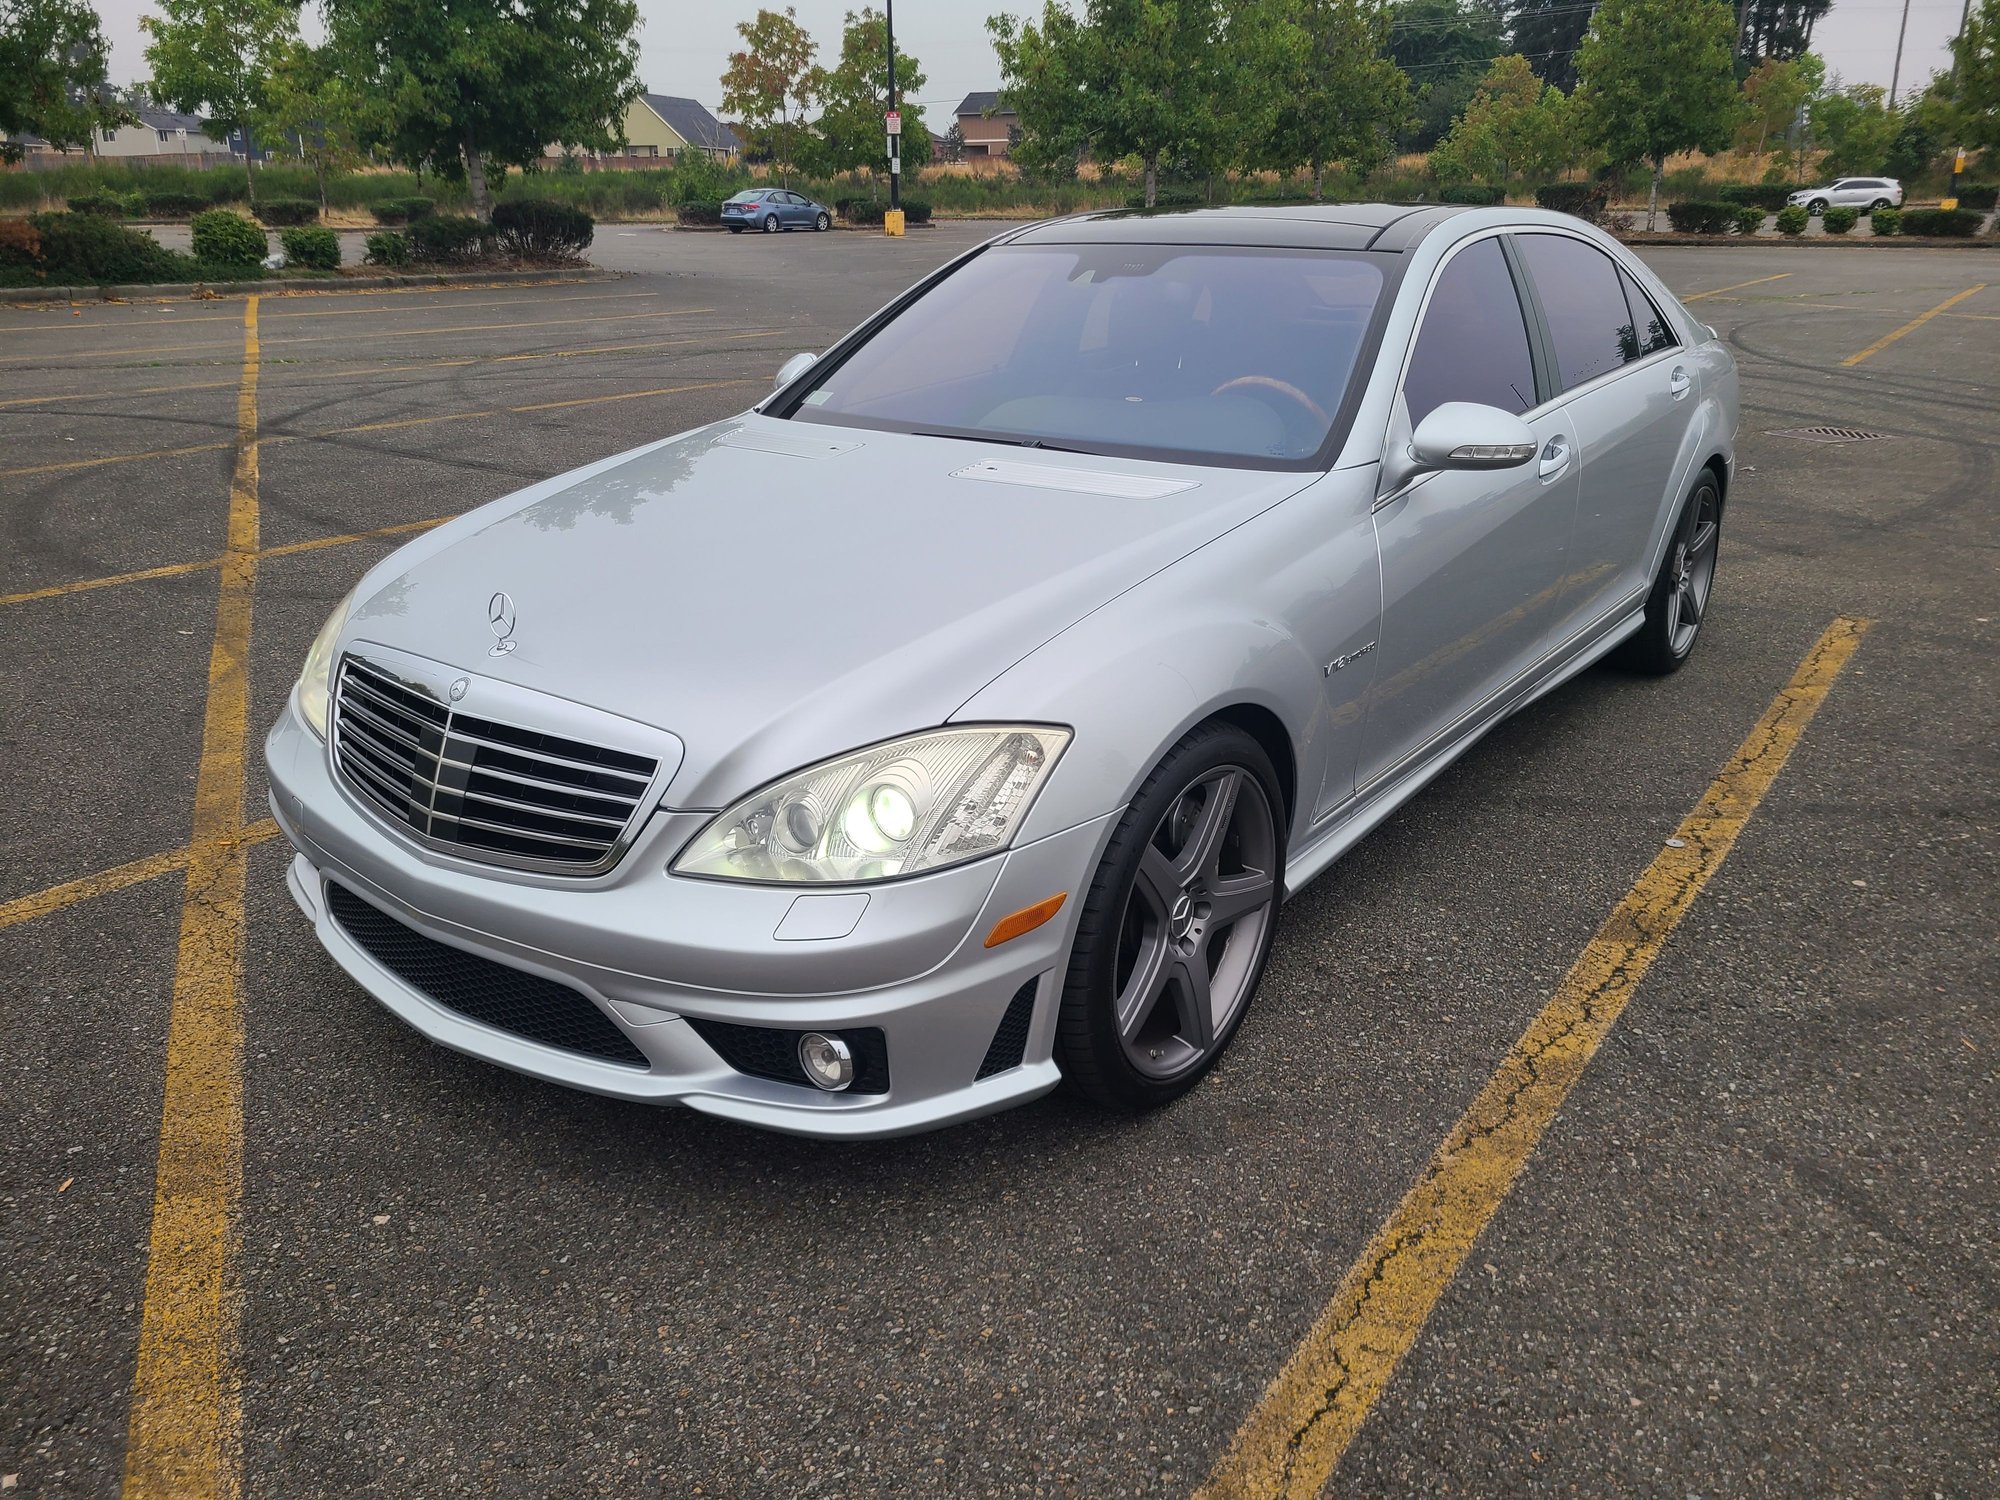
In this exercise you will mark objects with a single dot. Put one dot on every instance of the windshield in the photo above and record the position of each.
(1184, 352)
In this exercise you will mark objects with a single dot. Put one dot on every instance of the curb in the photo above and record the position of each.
(1815, 242)
(160, 291)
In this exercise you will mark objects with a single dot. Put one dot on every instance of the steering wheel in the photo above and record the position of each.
(1281, 387)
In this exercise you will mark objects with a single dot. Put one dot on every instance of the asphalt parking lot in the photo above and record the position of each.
(1755, 1252)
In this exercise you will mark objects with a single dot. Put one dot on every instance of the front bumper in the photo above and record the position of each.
(653, 950)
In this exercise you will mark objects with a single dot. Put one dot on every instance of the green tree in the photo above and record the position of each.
(1656, 79)
(854, 94)
(1549, 33)
(52, 63)
(1773, 94)
(1145, 78)
(454, 87)
(1445, 46)
(1976, 76)
(1855, 127)
(307, 101)
(1342, 99)
(1515, 127)
(773, 81)
(211, 57)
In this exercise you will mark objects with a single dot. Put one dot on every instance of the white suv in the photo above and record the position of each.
(1870, 193)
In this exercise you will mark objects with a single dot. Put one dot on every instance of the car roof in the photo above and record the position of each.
(1315, 226)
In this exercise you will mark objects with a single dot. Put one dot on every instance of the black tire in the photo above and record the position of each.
(735, 228)
(1878, 205)
(1816, 207)
(1096, 1061)
(770, 223)
(823, 223)
(1666, 641)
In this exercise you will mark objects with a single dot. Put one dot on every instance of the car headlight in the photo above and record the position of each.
(913, 804)
(313, 681)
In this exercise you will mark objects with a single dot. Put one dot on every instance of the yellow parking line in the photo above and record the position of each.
(269, 317)
(183, 1434)
(70, 465)
(176, 570)
(1910, 327)
(1718, 291)
(1290, 1443)
(117, 878)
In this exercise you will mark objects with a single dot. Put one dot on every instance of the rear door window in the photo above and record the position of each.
(1583, 298)
(1473, 345)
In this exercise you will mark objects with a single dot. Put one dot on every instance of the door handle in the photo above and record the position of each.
(1680, 383)
(1555, 457)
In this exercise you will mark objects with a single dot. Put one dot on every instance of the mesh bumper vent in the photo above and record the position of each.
(527, 1005)
(1010, 1037)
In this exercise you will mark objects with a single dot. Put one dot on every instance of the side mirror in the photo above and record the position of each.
(793, 368)
(1465, 435)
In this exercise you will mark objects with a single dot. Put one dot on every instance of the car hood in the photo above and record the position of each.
(777, 592)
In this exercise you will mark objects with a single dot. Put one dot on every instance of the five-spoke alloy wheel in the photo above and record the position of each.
(1680, 595)
(1177, 923)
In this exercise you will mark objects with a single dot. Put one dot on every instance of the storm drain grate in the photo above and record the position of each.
(1830, 434)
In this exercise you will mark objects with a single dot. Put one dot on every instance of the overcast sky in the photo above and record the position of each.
(683, 46)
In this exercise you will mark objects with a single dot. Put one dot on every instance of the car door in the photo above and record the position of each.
(798, 211)
(1471, 561)
(1628, 386)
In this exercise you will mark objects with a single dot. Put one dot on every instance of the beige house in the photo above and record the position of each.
(160, 133)
(659, 127)
(987, 125)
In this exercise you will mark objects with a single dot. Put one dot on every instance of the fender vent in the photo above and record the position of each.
(1829, 434)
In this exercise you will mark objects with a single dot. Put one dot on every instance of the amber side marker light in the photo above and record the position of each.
(1027, 919)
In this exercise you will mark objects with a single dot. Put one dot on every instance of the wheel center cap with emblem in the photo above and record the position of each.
(500, 619)
(1181, 919)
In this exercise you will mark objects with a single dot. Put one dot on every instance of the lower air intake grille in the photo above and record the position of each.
(1010, 1039)
(481, 990)
(766, 1052)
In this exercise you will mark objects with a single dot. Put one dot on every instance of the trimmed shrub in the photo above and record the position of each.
(167, 205)
(448, 239)
(311, 245)
(540, 229)
(1749, 219)
(278, 212)
(401, 210)
(694, 215)
(1476, 194)
(105, 205)
(223, 237)
(86, 247)
(1953, 223)
(1769, 196)
(1885, 221)
(916, 211)
(1792, 220)
(1584, 200)
(1840, 219)
(1982, 196)
(387, 248)
(1163, 197)
(1698, 216)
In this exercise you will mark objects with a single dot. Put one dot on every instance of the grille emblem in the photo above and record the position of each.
(500, 618)
(458, 688)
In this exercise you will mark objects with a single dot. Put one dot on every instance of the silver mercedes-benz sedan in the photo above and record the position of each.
(955, 722)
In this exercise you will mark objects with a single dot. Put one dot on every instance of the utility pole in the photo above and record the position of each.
(892, 222)
(1957, 74)
(1896, 73)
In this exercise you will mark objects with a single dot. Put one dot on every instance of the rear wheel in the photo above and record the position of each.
(1176, 925)
(735, 228)
(1679, 600)
(770, 223)
(1878, 205)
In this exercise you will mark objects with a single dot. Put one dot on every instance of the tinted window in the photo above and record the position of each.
(1191, 351)
(1474, 342)
(1585, 305)
(1651, 332)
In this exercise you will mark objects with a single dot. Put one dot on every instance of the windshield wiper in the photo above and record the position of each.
(1010, 442)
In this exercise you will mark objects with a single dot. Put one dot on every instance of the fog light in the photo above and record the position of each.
(827, 1061)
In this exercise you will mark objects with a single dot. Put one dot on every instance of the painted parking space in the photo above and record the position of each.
(442, 1277)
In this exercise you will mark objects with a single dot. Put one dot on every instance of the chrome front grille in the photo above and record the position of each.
(498, 792)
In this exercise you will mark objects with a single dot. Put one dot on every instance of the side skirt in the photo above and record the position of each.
(1356, 818)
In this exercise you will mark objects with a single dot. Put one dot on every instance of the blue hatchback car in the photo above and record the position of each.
(772, 209)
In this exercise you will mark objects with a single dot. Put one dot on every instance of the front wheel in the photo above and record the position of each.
(1177, 923)
(770, 223)
(1679, 600)
(823, 223)
(1816, 207)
